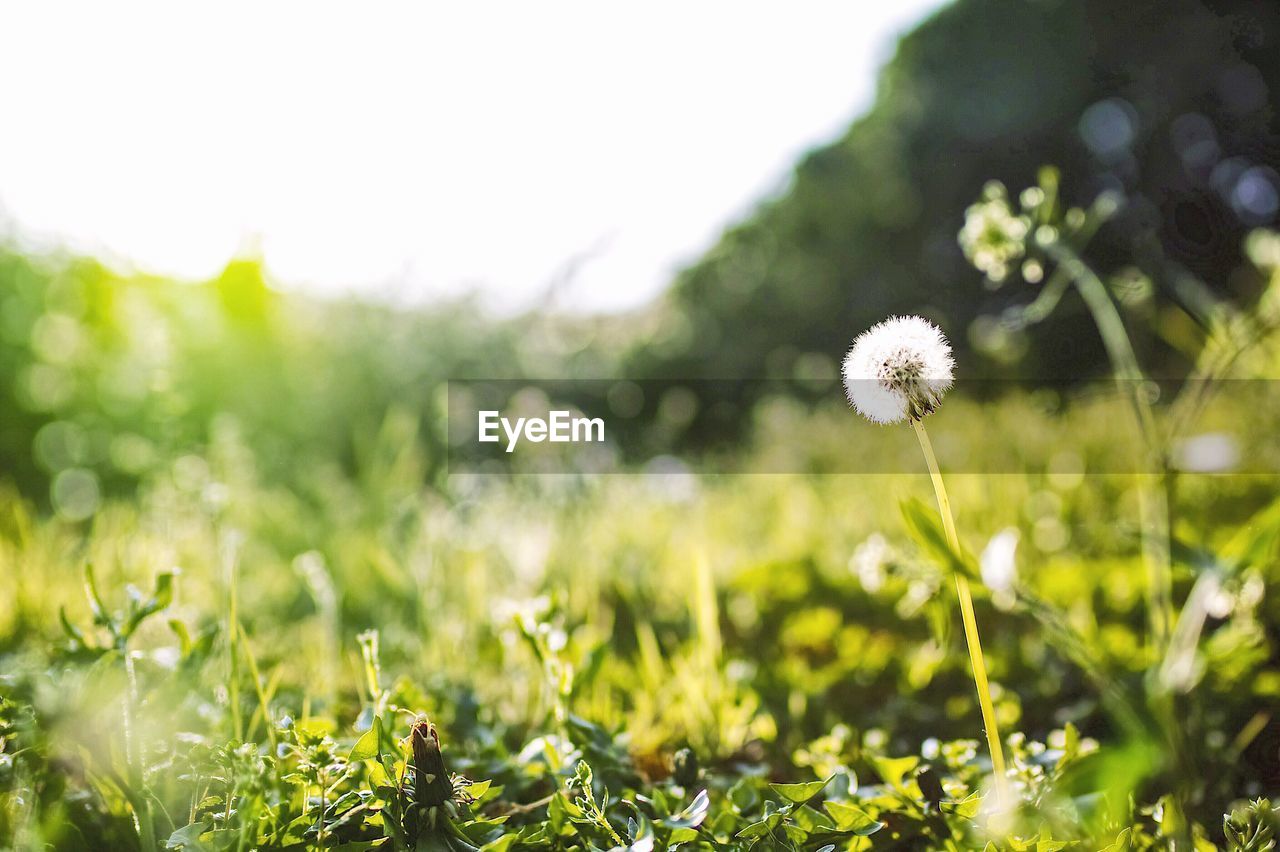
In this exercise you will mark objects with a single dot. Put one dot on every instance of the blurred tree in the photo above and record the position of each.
(107, 378)
(1168, 102)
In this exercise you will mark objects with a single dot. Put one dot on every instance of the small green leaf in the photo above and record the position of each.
(96, 606)
(1070, 743)
(184, 636)
(160, 599)
(853, 819)
(74, 633)
(812, 820)
(682, 835)
(966, 808)
(375, 744)
(794, 833)
(926, 529)
(163, 594)
(502, 844)
(801, 793)
(366, 748)
(187, 838)
(894, 769)
(1121, 843)
(744, 796)
(759, 829)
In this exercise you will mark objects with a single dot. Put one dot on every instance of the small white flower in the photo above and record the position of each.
(1000, 568)
(993, 236)
(1212, 452)
(898, 369)
(869, 562)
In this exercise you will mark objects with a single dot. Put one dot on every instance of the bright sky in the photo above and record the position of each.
(421, 148)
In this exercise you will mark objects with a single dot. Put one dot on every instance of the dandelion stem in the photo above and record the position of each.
(966, 615)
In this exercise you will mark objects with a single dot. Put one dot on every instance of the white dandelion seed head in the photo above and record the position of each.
(898, 369)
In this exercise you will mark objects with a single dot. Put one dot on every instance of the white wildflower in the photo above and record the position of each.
(898, 369)
(1212, 452)
(999, 567)
(993, 236)
(870, 561)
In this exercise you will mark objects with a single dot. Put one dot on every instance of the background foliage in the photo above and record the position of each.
(236, 572)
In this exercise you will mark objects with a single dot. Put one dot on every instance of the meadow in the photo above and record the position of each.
(256, 595)
(297, 630)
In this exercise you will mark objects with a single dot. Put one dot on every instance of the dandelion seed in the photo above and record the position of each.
(898, 369)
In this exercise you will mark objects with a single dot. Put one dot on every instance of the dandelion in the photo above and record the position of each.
(994, 237)
(899, 370)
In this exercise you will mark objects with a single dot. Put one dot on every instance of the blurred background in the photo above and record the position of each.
(298, 222)
(244, 249)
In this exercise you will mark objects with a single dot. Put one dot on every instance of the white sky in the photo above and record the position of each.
(422, 148)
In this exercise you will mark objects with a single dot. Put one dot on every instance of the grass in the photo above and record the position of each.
(543, 623)
(276, 638)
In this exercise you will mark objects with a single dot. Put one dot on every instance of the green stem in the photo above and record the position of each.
(1153, 496)
(137, 774)
(233, 641)
(324, 802)
(967, 616)
(264, 703)
(1153, 506)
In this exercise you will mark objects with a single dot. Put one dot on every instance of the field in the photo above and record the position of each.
(261, 589)
(218, 658)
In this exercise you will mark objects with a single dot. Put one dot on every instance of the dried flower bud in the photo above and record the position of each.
(930, 785)
(685, 766)
(432, 786)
